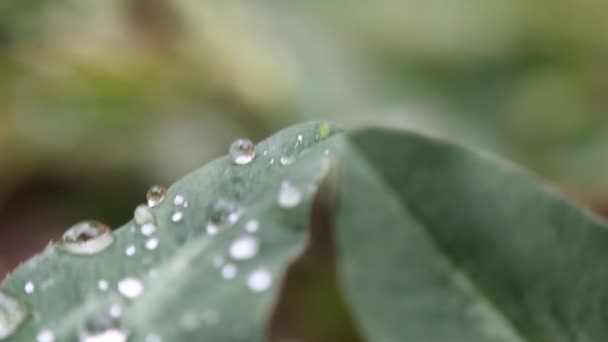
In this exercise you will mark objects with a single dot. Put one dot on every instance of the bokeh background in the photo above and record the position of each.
(100, 99)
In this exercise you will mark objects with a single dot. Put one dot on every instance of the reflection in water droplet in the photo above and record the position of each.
(102, 285)
(286, 161)
(244, 247)
(87, 237)
(29, 287)
(12, 315)
(252, 226)
(148, 229)
(130, 287)
(229, 271)
(242, 151)
(103, 328)
(177, 216)
(152, 243)
(259, 280)
(154, 338)
(143, 215)
(156, 195)
(180, 201)
(289, 196)
(130, 250)
(223, 214)
(45, 335)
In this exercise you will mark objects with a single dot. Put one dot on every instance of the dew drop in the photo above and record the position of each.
(300, 139)
(45, 335)
(12, 315)
(152, 243)
(177, 216)
(87, 237)
(154, 338)
(115, 311)
(289, 196)
(229, 271)
(29, 287)
(148, 229)
(259, 280)
(242, 151)
(143, 215)
(130, 250)
(180, 201)
(286, 161)
(156, 195)
(252, 226)
(103, 328)
(130, 287)
(102, 285)
(244, 247)
(265, 153)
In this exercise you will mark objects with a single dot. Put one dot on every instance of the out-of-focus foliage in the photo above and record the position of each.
(158, 87)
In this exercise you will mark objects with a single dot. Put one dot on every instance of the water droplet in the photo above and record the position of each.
(252, 226)
(229, 271)
(130, 287)
(259, 280)
(103, 328)
(272, 161)
(177, 216)
(154, 338)
(244, 247)
(12, 315)
(87, 237)
(156, 195)
(115, 311)
(327, 152)
(180, 201)
(102, 285)
(218, 261)
(265, 153)
(45, 335)
(242, 151)
(143, 215)
(289, 196)
(148, 229)
(29, 287)
(224, 213)
(152, 243)
(130, 250)
(286, 161)
(300, 139)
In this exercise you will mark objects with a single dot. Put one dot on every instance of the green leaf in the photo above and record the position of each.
(185, 297)
(439, 243)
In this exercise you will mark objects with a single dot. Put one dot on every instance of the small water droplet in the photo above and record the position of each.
(286, 161)
(229, 271)
(327, 152)
(45, 335)
(244, 247)
(87, 237)
(252, 226)
(177, 216)
(103, 328)
(300, 139)
(265, 153)
(103, 285)
(130, 250)
(156, 195)
(130, 287)
(272, 161)
(180, 201)
(115, 311)
(242, 151)
(218, 261)
(12, 315)
(143, 215)
(154, 338)
(259, 280)
(29, 287)
(148, 229)
(289, 196)
(152, 243)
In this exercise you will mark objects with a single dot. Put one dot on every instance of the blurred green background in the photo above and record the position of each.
(100, 99)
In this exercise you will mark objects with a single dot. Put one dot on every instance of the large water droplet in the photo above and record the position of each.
(103, 328)
(244, 247)
(143, 215)
(289, 196)
(130, 287)
(224, 213)
(12, 315)
(87, 237)
(259, 280)
(29, 287)
(242, 151)
(229, 271)
(45, 335)
(156, 195)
